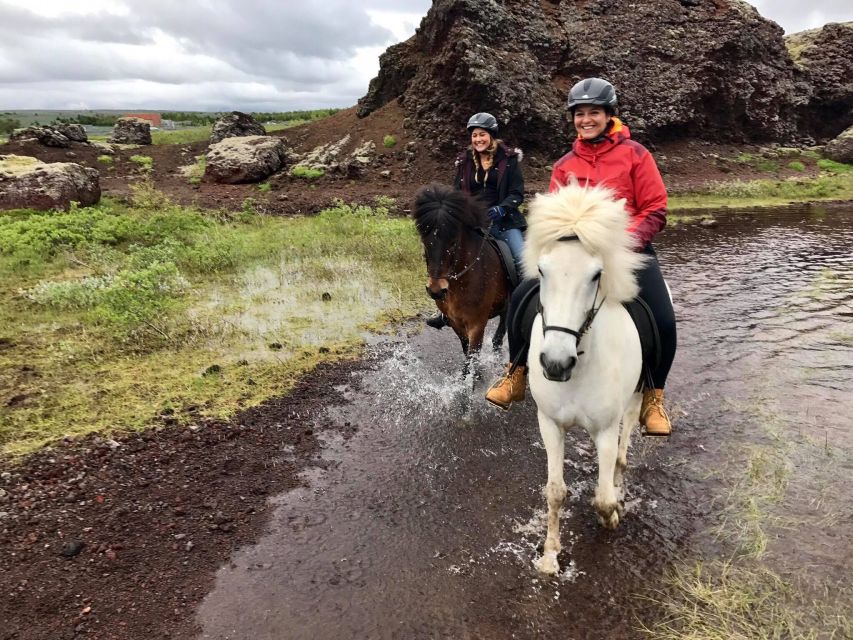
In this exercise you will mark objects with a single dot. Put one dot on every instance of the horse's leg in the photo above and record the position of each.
(555, 492)
(475, 343)
(629, 420)
(605, 502)
(500, 332)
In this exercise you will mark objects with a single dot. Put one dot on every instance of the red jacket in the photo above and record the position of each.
(625, 166)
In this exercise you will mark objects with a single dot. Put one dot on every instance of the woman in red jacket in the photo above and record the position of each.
(605, 154)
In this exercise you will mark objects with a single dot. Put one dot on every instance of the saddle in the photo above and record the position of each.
(522, 323)
(505, 255)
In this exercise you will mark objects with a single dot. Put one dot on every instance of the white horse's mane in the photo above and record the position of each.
(599, 221)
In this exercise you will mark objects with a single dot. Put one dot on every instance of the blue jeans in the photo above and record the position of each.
(515, 240)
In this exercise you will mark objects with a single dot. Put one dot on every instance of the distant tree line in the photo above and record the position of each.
(95, 120)
(199, 119)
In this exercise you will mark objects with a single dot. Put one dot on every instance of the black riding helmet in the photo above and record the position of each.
(593, 91)
(483, 121)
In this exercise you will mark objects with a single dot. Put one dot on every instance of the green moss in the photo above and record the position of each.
(796, 165)
(105, 159)
(306, 173)
(389, 141)
(830, 166)
(146, 163)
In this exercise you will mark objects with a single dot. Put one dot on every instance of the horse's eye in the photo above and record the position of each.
(597, 276)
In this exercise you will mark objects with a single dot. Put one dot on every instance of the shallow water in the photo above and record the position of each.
(426, 522)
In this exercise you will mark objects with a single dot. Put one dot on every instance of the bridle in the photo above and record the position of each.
(455, 276)
(590, 315)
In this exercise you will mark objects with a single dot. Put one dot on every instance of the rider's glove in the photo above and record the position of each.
(496, 213)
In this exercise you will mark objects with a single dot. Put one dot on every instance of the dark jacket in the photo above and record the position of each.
(510, 183)
(625, 166)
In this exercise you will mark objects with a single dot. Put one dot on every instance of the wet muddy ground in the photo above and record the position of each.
(399, 510)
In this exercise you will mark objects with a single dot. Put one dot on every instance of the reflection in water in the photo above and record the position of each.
(426, 522)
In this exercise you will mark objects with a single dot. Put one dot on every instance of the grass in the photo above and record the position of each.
(105, 159)
(111, 315)
(827, 186)
(264, 187)
(796, 165)
(737, 594)
(202, 134)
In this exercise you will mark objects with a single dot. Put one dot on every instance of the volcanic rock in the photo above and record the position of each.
(74, 132)
(245, 159)
(27, 183)
(824, 61)
(48, 136)
(712, 69)
(131, 131)
(841, 149)
(235, 125)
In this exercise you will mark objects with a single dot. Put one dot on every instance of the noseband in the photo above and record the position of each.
(590, 315)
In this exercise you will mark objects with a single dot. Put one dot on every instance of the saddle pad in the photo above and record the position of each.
(641, 314)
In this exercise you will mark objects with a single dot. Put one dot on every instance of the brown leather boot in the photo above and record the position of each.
(508, 389)
(653, 417)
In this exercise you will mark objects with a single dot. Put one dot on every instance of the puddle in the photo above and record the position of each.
(426, 522)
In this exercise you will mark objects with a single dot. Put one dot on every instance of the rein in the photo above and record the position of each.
(590, 315)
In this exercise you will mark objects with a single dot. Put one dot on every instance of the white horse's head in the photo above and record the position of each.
(578, 245)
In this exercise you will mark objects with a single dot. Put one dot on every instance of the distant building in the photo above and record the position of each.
(153, 118)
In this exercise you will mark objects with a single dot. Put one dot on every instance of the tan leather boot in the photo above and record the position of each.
(653, 416)
(508, 389)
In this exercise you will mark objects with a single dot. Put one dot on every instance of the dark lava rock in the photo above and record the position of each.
(131, 131)
(236, 125)
(709, 69)
(73, 548)
(824, 65)
(48, 136)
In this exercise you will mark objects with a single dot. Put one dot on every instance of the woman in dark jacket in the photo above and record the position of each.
(605, 154)
(490, 170)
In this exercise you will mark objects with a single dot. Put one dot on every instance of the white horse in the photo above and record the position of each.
(585, 357)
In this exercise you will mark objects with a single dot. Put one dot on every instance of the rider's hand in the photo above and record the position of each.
(496, 213)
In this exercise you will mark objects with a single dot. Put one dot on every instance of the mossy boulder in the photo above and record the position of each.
(28, 183)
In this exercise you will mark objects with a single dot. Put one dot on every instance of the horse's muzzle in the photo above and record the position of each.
(437, 288)
(557, 371)
(441, 294)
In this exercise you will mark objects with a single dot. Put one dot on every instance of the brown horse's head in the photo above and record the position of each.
(442, 215)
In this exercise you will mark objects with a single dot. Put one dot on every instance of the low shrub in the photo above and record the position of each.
(796, 165)
(389, 141)
(264, 187)
(105, 159)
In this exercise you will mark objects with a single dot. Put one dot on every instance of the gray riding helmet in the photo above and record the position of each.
(593, 91)
(483, 121)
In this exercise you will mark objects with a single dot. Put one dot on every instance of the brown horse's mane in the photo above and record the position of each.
(443, 210)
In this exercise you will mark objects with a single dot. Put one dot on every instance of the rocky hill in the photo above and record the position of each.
(708, 69)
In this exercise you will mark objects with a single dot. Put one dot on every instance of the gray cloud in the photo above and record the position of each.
(225, 54)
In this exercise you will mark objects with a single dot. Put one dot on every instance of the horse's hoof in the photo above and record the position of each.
(548, 564)
(608, 517)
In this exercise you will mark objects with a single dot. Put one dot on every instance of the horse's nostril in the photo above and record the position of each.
(571, 363)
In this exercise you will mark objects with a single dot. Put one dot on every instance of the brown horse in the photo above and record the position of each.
(465, 275)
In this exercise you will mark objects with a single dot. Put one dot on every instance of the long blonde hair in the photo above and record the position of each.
(489, 158)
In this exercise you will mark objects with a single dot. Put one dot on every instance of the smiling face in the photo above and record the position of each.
(590, 121)
(480, 139)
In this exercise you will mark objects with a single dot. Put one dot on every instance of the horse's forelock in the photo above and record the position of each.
(598, 220)
(444, 209)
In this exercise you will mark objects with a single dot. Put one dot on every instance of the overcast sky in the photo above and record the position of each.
(217, 55)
